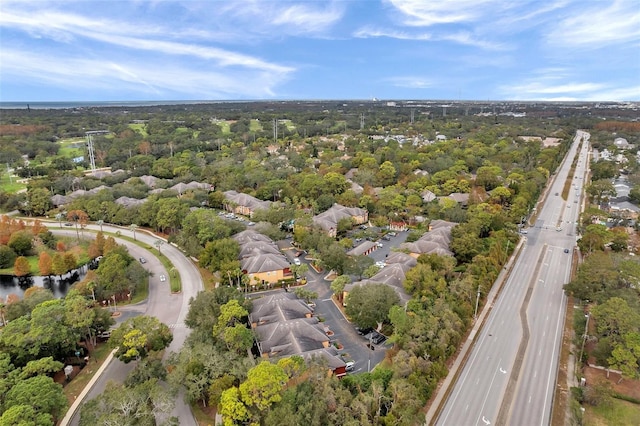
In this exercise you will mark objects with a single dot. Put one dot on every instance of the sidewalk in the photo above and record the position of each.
(76, 404)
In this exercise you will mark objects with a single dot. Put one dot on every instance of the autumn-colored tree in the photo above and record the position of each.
(58, 265)
(70, 261)
(93, 251)
(45, 264)
(21, 267)
(61, 246)
(109, 245)
(100, 241)
(38, 227)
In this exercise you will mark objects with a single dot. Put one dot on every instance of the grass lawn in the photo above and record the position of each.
(78, 249)
(75, 386)
(139, 128)
(225, 126)
(255, 125)
(619, 413)
(290, 126)
(10, 185)
(72, 147)
(174, 277)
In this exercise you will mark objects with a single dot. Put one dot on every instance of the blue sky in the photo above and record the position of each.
(350, 49)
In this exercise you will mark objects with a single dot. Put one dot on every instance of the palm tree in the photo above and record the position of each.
(158, 244)
(133, 228)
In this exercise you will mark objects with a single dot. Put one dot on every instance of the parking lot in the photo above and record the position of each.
(363, 350)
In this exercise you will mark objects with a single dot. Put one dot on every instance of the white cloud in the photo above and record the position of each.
(410, 82)
(369, 32)
(599, 24)
(269, 18)
(306, 18)
(426, 13)
(144, 77)
(70, 27)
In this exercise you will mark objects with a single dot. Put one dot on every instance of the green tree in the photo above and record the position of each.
(368, 305)
(128, 405)
(337, 285)
(138, 336)
(39, 392)
(24, 415)
(7, 256)
(217, 253)
(21, 242)
(231, 313)
(615, 318)
(80, 315)
(112, 274)
(263, 386)
(232, 409)
(38, 201)
(238, 338)
(626, 355)
(42, 366)
(58, 265)
(171, 211)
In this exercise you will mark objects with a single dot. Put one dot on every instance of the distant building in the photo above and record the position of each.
(244, 204)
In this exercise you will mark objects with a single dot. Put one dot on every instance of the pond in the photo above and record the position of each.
(60, 287)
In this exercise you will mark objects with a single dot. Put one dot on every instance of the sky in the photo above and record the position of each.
(137, 50)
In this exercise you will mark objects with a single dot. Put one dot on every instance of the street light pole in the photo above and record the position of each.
(369, 359)
(584, 338)
(475, 313)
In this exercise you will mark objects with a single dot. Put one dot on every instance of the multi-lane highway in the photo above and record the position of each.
(510, 375)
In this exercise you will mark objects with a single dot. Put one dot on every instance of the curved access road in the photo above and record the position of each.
(168, 307)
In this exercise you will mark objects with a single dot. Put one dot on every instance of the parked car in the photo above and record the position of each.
(386, 238)
(378, 338)
(163, 278)
(297, 261)
(350, 365)
(363, 331)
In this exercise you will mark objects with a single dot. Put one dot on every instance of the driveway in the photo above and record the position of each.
(354, 345)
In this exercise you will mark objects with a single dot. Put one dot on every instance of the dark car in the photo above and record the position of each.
(363, 331)
(566, 250)
(378, 338)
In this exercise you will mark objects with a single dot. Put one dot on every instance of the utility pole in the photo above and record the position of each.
(475, 313)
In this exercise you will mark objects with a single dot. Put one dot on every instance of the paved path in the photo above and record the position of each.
(169, 308)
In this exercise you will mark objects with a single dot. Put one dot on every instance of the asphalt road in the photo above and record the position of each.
(509, 377)
(169, 308)
(354, 346)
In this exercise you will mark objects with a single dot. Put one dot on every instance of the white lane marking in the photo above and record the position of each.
(535, 374)
(503, 371)
(485, 421)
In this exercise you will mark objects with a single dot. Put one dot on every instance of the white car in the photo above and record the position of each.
(163, 278)
(296, 261)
